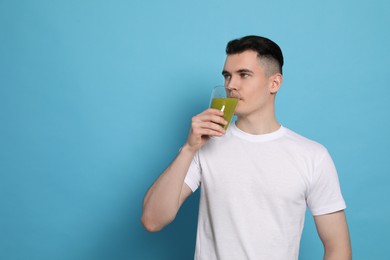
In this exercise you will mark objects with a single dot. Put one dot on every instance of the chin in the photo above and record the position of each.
(238, 113)
(238, 110)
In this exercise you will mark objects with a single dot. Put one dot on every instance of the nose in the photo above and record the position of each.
(231, 84)
(232, 92)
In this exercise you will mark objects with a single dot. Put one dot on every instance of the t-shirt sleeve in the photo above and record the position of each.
(192, 178)
(324, 194)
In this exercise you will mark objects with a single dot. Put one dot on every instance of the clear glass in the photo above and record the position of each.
(224, 100)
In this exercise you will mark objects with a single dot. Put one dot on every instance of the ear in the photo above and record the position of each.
(275, 83)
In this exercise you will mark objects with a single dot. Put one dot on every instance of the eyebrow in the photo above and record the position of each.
(244, 71)
(224, 72)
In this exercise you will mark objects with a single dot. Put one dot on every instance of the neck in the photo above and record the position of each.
(258, 126)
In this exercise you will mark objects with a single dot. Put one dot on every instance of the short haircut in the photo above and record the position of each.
(268, 51)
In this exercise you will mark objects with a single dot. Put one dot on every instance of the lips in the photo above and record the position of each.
(234, 94)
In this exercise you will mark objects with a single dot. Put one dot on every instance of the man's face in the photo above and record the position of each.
(244, 73)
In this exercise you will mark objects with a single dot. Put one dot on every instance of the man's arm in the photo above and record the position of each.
(164, 198)
(333, 231)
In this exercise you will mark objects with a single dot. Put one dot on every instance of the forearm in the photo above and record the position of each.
(162, 201)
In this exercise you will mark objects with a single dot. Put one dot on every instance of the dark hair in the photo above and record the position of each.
(265, 48)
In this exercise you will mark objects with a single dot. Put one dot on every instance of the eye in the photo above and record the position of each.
(227, 77)
(244, 75)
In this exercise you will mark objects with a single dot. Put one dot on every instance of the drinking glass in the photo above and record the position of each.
(225, 100)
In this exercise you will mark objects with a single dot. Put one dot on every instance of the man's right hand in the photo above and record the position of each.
(203, 126)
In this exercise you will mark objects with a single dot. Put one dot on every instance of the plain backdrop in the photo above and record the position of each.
(96, 99)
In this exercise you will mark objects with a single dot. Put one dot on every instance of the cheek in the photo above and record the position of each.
(253, 101)
(239, 107)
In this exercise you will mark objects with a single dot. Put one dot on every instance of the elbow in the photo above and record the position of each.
(150, 224)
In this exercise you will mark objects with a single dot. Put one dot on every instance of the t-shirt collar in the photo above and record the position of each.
(256, 138)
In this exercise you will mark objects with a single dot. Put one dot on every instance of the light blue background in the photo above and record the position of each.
(96, 99)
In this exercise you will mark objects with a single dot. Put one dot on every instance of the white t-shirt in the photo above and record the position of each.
(254, 193)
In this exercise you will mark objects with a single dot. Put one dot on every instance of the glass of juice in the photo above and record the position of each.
(224, 100)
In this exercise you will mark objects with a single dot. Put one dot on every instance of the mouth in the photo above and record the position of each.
(234, 94)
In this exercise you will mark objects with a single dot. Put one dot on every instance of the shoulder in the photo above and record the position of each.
(303, 143)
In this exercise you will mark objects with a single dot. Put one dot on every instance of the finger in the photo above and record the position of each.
(210, 118)
(213, 111)
(208, 132)
(201, 127)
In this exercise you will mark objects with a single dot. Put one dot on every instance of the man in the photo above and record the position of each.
(257, 178)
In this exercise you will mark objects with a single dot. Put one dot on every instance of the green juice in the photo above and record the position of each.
(227, 105)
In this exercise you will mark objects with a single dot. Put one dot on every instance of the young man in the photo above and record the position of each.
(257, 178)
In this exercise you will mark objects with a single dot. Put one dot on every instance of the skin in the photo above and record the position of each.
(255, 110)
(257, 85)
